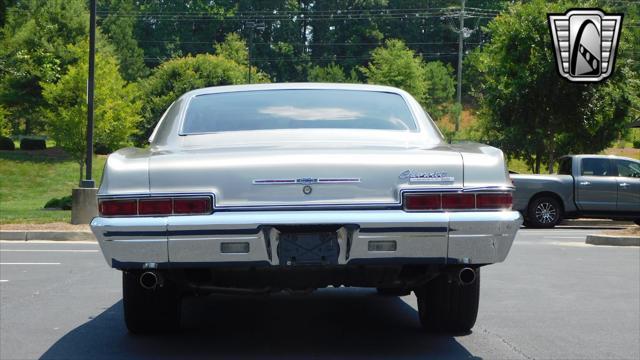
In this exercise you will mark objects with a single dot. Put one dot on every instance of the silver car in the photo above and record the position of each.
(261, 188)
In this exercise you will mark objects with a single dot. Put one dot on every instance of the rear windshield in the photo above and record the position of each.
(297, 109)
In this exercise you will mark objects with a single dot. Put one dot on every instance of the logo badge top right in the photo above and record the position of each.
(585, 42)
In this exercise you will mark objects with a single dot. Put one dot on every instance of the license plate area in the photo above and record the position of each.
(308, 245)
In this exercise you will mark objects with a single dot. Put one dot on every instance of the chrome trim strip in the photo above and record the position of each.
(305, 181)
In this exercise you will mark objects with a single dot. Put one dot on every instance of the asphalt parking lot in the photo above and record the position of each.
(554, 297)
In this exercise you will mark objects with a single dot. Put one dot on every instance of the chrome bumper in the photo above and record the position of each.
(191, 241)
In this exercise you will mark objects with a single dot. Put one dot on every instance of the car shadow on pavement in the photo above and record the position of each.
(330, 323)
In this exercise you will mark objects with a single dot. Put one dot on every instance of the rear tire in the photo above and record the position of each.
(393, 291)
(446, 306)
(544, 212)
(148, 311)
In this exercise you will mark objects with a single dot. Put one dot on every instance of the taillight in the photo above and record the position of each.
(150, 206)
(118, 207)
(458, 201)
(155, 207)
(422, 202)
(494, 201)
(192, 206)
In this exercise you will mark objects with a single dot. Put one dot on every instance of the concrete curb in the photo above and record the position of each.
(613, 240)
(30, 235)
(595, 223)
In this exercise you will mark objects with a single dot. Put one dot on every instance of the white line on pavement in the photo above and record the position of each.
(1, 281)
(564, 237)
(29, 263)
(49, 250)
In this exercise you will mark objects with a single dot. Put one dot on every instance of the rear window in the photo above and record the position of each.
(297, 109)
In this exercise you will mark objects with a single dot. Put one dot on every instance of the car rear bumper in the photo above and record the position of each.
(197, 241)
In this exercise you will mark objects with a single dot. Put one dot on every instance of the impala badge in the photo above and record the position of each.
(426, 177)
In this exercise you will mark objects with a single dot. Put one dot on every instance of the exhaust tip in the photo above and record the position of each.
(149, 280)
(467, 276)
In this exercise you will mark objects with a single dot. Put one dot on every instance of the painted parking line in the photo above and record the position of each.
(1, 281)
(49, 250)
(565, 237)
(29, 263)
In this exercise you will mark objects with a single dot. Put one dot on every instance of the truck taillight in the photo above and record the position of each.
(151, 206)
(456, 201)
(494, 201)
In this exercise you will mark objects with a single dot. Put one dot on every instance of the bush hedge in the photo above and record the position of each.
(6, 143)
(33, 144)
(63, 203)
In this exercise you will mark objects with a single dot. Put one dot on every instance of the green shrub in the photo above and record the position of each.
(63, 203)
(6, 143)
(636, 144)
(32, 144)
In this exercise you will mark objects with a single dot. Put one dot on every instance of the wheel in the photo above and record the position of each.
(149, 310)
(544, 212)
(393, 291)
(444, 305)
(637, 221)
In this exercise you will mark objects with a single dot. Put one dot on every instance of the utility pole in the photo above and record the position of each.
(460, 50)
(252, 26)
(89, 182)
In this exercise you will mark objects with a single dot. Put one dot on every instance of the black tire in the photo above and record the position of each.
(637, 221)
(147, 311)
(544, 212)
(393, 291)
(446, 306)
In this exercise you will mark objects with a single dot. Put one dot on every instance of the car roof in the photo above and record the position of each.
(294, 86)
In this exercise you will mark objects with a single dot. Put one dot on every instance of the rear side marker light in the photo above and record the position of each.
(118, 207)
(155, 207)
(458, 201)
(494, 201)
(234, 247)
(192, 206)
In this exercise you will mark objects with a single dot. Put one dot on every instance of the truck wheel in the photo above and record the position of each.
(544, 212)
(149, 310)
(393, 291)
(446, 305)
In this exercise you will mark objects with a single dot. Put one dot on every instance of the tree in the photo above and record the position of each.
(116, 109)
(233, 48)
(5, 126)
(396, 65)
(34, 49)
(331, 73)
(177, 76)
(531, 112)
(118, 27)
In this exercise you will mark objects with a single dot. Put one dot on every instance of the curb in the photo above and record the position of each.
(30, 235)
(613, 240)
(595, 223)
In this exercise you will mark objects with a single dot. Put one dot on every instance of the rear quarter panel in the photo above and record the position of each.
(530, 186)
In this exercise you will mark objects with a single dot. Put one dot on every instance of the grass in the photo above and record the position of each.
(30, 178)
